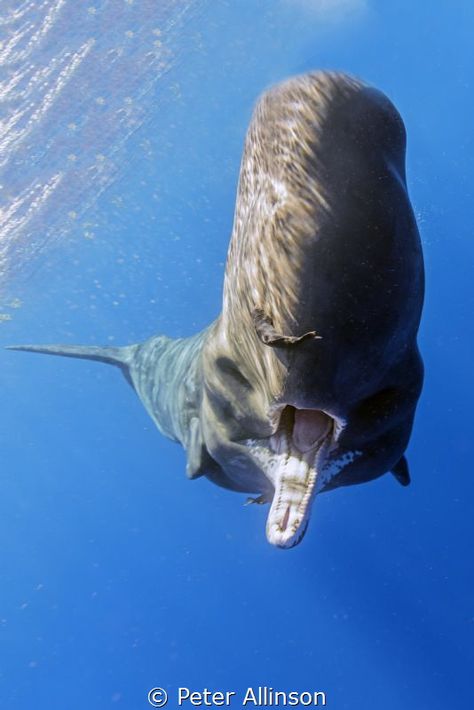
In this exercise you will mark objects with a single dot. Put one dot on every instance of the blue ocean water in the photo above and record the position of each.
(119, 158)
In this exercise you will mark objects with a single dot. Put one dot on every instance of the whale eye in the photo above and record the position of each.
(232, 373)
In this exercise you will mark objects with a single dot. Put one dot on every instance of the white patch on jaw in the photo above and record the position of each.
(262, 453)
(335, 467)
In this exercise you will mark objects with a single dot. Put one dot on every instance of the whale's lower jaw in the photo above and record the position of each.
(292, 460)
(294, 480)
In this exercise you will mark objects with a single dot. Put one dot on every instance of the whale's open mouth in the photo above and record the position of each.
(296, 456)
(301, 445)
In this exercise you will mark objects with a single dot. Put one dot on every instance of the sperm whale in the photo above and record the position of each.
(309, 378)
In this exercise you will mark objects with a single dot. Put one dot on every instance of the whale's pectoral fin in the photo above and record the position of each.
(196, 452)
(401, 472)
(268, 335)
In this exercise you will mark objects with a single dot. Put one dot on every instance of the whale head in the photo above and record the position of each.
(312, 372)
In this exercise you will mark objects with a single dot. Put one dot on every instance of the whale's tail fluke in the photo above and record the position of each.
(110, 355)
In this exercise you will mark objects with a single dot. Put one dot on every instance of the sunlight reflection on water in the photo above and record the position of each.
(77, 80)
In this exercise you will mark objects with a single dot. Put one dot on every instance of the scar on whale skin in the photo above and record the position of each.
(309, 378)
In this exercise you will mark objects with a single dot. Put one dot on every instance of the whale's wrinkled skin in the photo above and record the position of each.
(309, 378)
